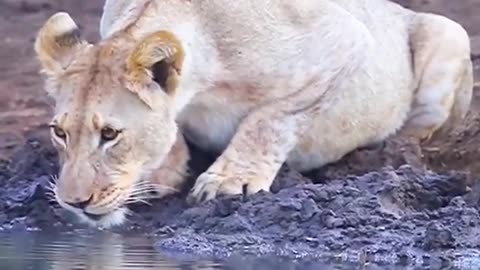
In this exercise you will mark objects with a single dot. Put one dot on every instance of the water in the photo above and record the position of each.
(109, 251)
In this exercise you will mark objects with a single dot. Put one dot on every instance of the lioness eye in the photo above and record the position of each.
(59, 132)
(109, 134)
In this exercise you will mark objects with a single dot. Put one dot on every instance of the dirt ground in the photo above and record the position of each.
(25, 112)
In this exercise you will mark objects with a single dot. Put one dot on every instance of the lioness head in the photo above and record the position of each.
(114, 120)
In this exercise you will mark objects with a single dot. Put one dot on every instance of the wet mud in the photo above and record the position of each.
(396, 203)
(405, 216)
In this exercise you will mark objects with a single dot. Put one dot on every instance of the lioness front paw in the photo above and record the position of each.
(208, 186)
(205, 188)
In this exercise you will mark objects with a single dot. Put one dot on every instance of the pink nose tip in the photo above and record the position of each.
(80, 204)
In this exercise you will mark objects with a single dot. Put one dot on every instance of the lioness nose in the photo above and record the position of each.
(80, 204)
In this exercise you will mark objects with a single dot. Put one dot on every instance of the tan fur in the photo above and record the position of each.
(259, 82)
(59, 38)
(154, 48)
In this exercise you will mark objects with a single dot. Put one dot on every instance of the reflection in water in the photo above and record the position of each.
(109, 251)
(100, 251)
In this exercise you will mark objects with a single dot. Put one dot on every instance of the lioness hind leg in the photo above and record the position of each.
(443, 70)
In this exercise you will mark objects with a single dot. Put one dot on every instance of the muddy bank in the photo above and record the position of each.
(405, 216)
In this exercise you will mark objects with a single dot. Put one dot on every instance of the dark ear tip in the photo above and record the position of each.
(69, 38)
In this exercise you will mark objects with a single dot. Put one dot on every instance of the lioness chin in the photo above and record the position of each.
(261, 83)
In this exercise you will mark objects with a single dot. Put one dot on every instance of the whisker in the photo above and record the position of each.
(137, 201)
(143, 196)
(51, 187)
(141, 190)
(143, 187)
(161, 186)
(49, 193)
(157, 186)
(142, 184)
(54, 178)
(51, 198)
(128, 212)
(50, 190)
(134, 193)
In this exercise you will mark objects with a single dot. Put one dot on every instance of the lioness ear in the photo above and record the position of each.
(158, 58)
(56, 42)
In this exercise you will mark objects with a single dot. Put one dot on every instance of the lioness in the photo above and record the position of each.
(258, 82)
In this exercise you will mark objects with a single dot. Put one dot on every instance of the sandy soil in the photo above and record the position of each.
(25, 111)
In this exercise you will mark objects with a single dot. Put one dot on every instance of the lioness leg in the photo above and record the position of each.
(443, 70)
(253, 157)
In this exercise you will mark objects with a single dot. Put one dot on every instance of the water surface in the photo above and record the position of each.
(109, 251)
